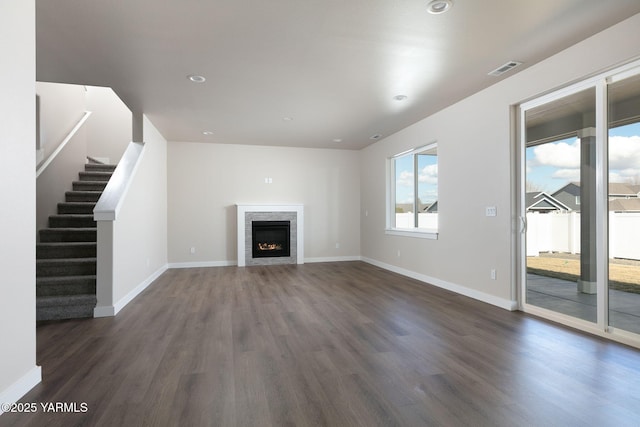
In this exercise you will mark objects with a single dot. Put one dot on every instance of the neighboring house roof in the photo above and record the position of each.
(543, 202)
(572, 188)
(625, 205)
(432, 208)
(617, 189)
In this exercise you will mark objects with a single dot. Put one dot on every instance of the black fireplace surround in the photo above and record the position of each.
(271, 239)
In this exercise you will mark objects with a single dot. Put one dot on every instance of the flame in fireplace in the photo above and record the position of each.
(269, 246)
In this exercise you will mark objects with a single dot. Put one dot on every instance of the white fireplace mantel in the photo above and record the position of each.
(242, 210)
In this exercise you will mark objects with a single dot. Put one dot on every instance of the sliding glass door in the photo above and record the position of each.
(560, 205)
(623, 162)
(579, 204)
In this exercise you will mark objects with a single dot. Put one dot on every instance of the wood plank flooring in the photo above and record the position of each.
(331, 344)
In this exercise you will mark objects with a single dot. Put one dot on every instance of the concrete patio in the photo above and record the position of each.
(562, 296)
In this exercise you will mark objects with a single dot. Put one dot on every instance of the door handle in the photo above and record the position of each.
(523, 224)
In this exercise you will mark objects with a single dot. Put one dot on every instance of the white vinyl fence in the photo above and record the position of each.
(425, 220)
(560, 232)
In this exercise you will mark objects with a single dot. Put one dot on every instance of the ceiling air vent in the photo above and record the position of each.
(504, 68)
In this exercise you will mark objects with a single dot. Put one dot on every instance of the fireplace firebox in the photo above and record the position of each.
(271, 239)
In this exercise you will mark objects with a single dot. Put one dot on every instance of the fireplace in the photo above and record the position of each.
(270, 239)
(279, 232)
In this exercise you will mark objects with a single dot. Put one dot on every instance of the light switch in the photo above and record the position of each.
(492, 211)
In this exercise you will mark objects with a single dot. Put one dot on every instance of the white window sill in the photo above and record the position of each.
(418, 233)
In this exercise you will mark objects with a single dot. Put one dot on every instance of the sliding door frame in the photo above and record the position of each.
(600, 82)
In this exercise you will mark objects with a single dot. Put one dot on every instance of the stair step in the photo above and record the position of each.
(48, 235)
(65, 267)
(99, 167)
(65, 307)
(72, 221)
(66, 250)
(82, 196)
(76, 208)
(95, 176)
(89, 185)
(65, 285)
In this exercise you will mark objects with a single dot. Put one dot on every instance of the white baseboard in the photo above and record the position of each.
(198, 264)
(462, 290)
(110, 311)
(334, 259)
(21, 387)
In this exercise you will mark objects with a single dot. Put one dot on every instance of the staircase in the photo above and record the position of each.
(66, 254)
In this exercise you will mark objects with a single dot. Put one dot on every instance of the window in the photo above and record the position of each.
(413, 192)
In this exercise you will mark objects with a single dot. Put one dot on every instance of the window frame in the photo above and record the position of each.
(390, 228)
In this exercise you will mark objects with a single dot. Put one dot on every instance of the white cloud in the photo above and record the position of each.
(559, 155)
(571, 175)
(624, 159)
(405, 179)
(624, 154)
(429, 174)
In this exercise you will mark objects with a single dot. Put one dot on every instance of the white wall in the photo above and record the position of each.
(18, 371)
(206, 181)
(61, 107)
(476, 169)
(140, 231)
(109, 127)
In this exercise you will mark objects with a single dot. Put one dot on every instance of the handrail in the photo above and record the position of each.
(111, 199)
(64, 142)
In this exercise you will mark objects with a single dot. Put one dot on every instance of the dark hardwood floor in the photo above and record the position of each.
(333, 344)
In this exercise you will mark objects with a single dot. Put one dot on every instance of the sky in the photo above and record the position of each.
(427, 179)
(553, 165)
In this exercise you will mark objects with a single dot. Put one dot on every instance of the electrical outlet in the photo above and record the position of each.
(193, 250)
(493, 274)
(337, 245)
(398, 252)
(491, 211)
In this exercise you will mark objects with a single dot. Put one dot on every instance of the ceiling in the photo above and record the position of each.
(307, 73)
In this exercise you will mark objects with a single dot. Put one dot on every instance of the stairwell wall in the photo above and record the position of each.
(60, 107)
(140, 230)
(109, 128)
(18, 370)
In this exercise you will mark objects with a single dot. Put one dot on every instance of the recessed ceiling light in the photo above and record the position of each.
(437, 7)
(400, 97)
(207, 132)
(196, 79)
(337, 140)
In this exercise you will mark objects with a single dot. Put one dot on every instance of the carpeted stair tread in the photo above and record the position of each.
(48, 235)
(65, 267)
(65, 300)
(71, 221)
(76, 208)
(66, 250)
(65, 307)
(56, 280)
(95, 176)
(82, 196)
(65, 285)
(89, 185)
(99, 167)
